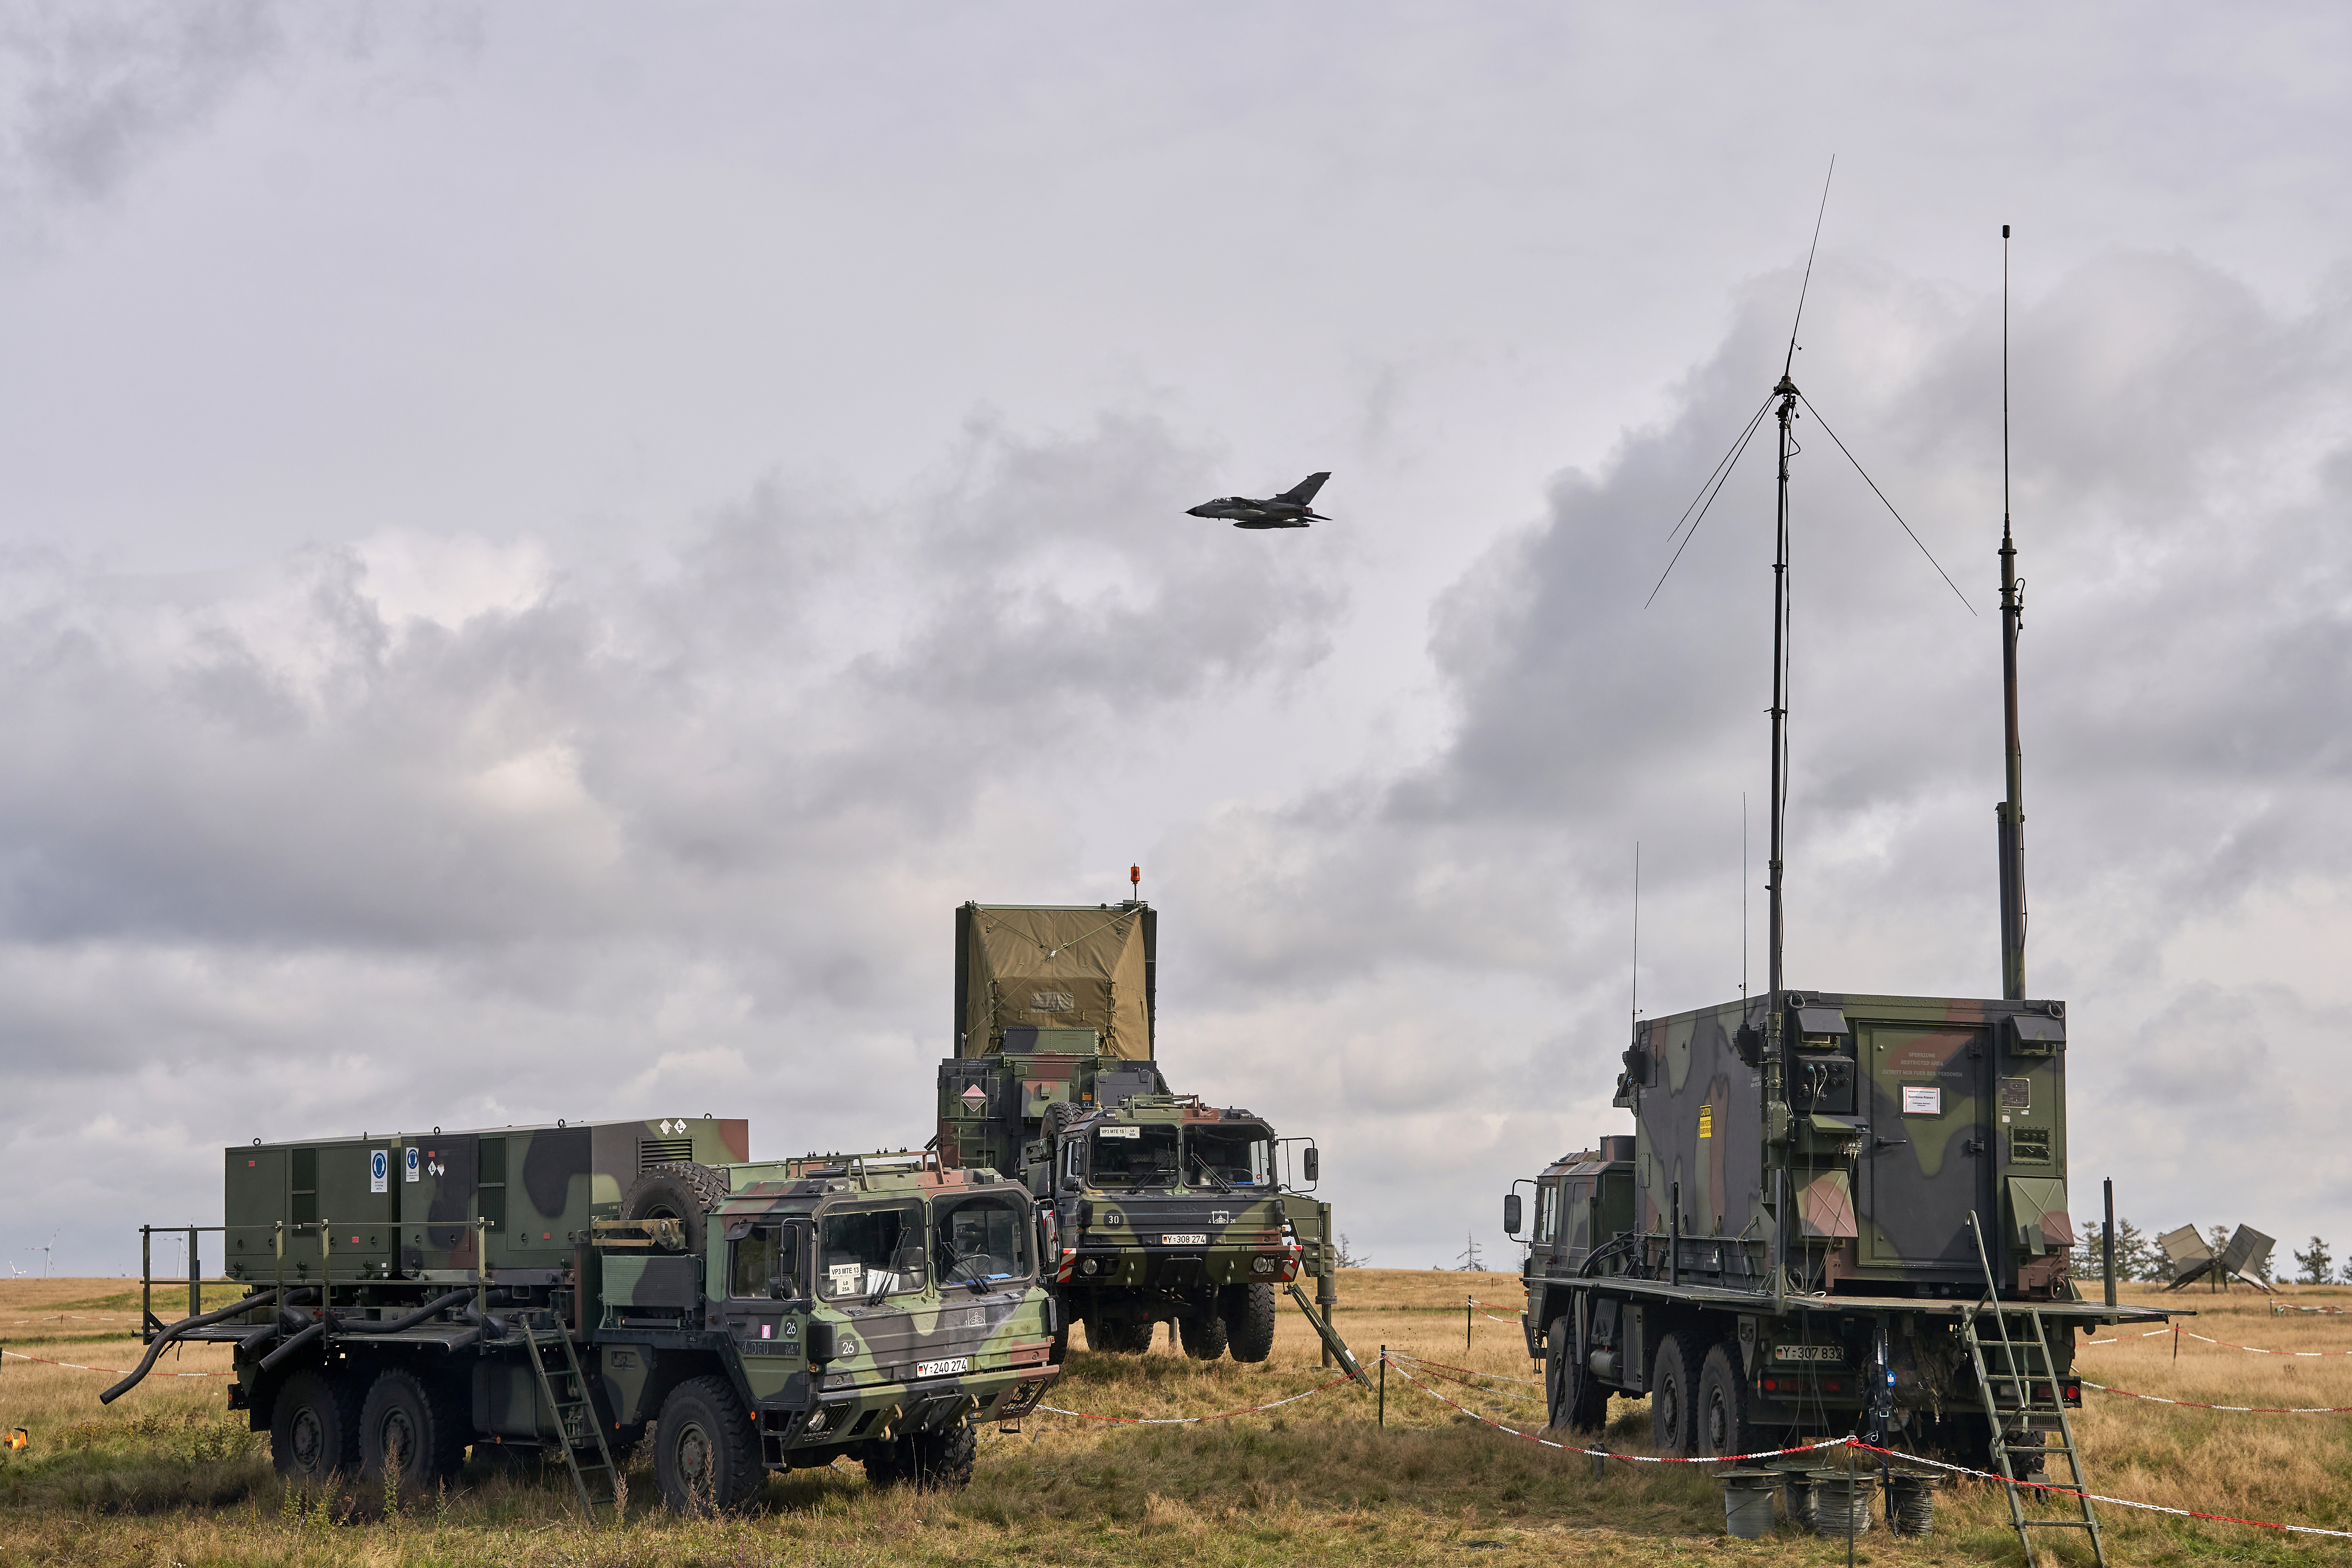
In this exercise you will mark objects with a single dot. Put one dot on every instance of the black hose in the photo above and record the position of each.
(282, 1321)
(291, 1346)
(183, 1326)
(395, 1325)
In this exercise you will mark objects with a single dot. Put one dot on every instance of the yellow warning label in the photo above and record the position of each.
(1707, 1121)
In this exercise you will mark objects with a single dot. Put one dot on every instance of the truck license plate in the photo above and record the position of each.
(1808, 1352)
(948, 1368)
(1186, 1239)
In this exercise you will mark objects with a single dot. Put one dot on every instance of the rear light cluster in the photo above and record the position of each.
(1799, 1384)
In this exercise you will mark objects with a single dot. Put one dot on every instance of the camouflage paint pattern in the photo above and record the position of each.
(1894, 1119)
(402, 1205)
(938, 1343)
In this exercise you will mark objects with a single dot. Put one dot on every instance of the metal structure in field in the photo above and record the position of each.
(1838, 1211)
(1168, 1209)
(558, 1288)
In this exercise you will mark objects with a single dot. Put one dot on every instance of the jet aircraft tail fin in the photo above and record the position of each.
(1304, 492)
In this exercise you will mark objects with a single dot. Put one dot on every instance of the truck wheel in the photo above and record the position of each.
(929, 1461)
(1060, 1354)
(1674, 1390)
(414, 1425)
(1722, 1403)
(1203, 1333)
(1249, 1321)
(1576, 1401)
(314, 1427)
(704, 1450)
(681, 1192)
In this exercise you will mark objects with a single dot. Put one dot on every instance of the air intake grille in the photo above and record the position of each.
(652, 1151)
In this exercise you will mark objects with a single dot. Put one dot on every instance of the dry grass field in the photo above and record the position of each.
(166, 1477)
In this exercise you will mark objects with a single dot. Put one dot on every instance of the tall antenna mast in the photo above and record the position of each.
(1637, 935)
(2009, 815)
(1786, 394)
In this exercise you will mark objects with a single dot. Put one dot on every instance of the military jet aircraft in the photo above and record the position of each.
(1291, 509)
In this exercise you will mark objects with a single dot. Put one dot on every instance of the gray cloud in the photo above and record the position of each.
(2180, 481)
(92, 92)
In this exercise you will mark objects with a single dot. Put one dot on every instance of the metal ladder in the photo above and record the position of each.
(2015, 1373)
(577, 1426)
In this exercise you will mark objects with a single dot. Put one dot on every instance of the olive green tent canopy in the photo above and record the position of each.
(1047, 968)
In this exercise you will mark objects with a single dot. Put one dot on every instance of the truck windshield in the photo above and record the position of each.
(870, 1251)
(979, 1240)
(1228, 1157)
(764, 1261)
(1134, 1156)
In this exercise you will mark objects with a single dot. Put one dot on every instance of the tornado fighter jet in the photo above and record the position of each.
(1291, 509)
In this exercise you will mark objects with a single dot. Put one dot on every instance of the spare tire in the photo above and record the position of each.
(682, 1192)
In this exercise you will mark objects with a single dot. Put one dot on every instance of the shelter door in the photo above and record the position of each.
(1926, 1161)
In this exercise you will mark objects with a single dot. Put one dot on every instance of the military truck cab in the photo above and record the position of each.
(1168, 1209)
(765, 1315)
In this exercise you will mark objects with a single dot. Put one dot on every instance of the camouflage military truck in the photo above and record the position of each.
(1167, 1209)
(1837, 1212)
(1798, 1234)
(551, 1290)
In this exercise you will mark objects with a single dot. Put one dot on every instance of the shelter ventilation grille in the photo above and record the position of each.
(652, 1151)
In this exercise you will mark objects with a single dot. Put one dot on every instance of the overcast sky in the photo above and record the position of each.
(544, 548)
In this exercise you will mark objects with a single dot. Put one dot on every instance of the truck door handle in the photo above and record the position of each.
(1878, 1143)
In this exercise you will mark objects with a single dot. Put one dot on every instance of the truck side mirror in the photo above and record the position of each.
(1311, 1164)
(824, 1341)
(1510, 1214)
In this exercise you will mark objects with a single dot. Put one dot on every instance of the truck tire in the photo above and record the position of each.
(1674, 1396)
(416, 1419)
(1203, 1333)
(1722, 1414)
(928, 1461)
(1249, 1321)
(680, 1191)
(1576, 1401)
(314, 1427)
(705, 1454)
(1060, 1354)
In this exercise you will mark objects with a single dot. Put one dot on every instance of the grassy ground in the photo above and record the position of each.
(165, 1476)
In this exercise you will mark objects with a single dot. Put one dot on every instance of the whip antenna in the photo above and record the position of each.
(1790, 362)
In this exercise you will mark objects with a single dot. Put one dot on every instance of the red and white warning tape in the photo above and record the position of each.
(2257, 1350)
(2096, 1497)
(1189, 1420)
(1603, 1453)
(2240, 1409)
(2126, 1339)
(1891, 1453)
(110, 1371)
(1507, 1323)
(1416, 1361)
